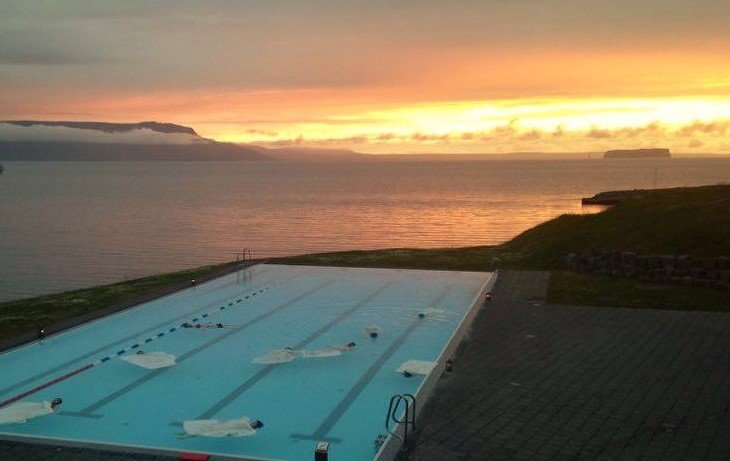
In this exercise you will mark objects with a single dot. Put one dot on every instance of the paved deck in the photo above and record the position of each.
(556, 382)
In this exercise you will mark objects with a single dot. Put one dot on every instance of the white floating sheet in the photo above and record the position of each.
(151, 360)
(416, 367)
(277, 356)
(287, 354)
(21, 412)
(215, 428)
(319, 353)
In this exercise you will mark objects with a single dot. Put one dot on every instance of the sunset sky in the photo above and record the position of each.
(382, 76)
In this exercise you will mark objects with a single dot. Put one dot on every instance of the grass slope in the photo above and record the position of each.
(25, 315)
(567, 287)
(694, 221)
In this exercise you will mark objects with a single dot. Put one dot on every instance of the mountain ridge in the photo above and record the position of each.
(40, 140)
(109, 127)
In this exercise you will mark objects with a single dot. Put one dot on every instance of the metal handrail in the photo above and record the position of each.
(409, 416)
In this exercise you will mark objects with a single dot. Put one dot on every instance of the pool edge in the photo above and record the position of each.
(63, 326)
(118, 448)
(393, 444)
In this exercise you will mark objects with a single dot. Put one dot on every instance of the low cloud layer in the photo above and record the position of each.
(698, 136)
(43, 133)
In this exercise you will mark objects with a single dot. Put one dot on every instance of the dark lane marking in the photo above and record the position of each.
(45, 385)
(100, 349)
(234, 394)
(87, 367)
(90, 354)
(321, 432)
(79, 415)
(115, 395)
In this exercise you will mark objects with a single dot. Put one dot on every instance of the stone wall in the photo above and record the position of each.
(662, 269)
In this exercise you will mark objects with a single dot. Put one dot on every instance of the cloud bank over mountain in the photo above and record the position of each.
(96, 133)
(100, 141)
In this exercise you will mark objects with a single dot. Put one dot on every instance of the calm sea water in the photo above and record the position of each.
(67, 225)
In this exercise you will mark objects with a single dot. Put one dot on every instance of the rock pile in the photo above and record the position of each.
(662, 269)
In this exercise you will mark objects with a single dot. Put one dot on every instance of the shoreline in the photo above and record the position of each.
(544, 247)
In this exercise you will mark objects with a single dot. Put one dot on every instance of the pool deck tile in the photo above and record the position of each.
(539, 381)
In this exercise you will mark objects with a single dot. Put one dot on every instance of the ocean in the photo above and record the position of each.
(66, 225)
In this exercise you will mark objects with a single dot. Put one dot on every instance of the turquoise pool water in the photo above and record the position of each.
(341, 399)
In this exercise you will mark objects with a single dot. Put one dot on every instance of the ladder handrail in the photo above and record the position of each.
(409, 416)
(244, 255)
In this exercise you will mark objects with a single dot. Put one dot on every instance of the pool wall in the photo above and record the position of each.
(393, 444)
(118, 450)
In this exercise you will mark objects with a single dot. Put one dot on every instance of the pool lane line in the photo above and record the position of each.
(88, 355)
(88, 411)
(44, 385)
(234, 394)
(106, 346)
(123, 351)
(129, 348)
(109, 357)
(320, 434)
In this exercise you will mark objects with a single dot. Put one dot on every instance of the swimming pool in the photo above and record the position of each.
(341, 399)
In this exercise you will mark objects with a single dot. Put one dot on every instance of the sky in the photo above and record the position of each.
(375, 76)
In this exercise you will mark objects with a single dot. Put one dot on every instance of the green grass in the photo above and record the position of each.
(23, 316)
(567, 287)
(694, 221)
(464, 259)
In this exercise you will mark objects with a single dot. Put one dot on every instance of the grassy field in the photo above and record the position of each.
(23, 316)
(693, 221)
(568, 287)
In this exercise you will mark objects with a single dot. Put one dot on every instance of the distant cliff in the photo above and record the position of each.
(110, 127)
(637, 153)
(101, 141)
(40, 140)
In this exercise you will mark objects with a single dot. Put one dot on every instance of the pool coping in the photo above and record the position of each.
(120, 448)
(393, 444)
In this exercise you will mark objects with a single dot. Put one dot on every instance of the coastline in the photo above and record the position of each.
(543, 247)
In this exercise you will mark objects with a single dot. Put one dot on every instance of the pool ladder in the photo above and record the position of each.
(409, 415)
(244, 256)
(243, 261)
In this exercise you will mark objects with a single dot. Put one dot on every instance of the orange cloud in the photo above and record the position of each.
(599, 134)
(715, 127)
(512, 137)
